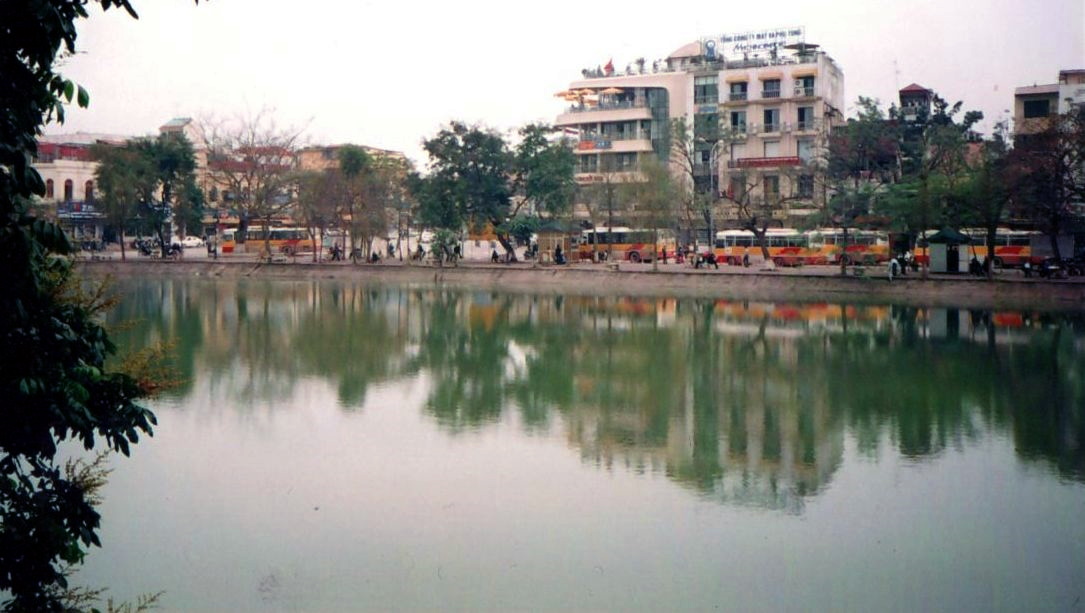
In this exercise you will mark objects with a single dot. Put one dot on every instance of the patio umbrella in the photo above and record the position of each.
(613, 90)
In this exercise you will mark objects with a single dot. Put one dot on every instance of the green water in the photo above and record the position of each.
(342, 447)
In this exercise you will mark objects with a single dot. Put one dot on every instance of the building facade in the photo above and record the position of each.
(759, 118)
(1034, 105)
(67, 167)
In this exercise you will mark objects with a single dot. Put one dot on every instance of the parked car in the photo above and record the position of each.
(190, 242)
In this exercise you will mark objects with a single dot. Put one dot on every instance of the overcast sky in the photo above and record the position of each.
(390, 73)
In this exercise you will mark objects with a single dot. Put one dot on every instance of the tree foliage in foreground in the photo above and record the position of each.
(53, 376)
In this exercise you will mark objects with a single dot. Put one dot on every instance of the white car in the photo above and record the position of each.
(189, 242)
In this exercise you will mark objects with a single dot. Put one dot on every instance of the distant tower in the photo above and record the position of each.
(915, 102)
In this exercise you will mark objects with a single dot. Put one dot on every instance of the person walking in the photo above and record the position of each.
(894, 268)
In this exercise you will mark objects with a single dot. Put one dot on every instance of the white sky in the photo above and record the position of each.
(390, 73)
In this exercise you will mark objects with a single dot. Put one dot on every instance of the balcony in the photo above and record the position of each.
(804, 92)
(735, 132)
(604, 112)
(809, 125)
(771, 127)
(765, 162)
(770, 93)
(736, 96)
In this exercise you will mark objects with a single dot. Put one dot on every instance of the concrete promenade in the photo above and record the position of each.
(1009, 289)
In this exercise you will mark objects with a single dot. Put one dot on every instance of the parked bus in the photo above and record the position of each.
(786, 246)
(282, 240)
(628, 244)
(863, 246)
(1012, 248)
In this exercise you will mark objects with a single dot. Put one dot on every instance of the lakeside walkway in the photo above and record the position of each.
(1009, 289)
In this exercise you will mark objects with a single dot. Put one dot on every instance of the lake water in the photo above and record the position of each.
(342, 447)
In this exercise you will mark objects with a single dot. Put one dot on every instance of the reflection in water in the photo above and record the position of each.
(745, 403)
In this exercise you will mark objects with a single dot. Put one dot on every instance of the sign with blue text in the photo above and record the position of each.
(755, 43)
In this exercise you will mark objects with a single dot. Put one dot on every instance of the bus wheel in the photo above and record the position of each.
(779, 262)
(998, 263)
(634, 257)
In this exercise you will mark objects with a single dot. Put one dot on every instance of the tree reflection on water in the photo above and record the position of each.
(748, 403)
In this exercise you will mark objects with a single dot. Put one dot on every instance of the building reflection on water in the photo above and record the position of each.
(746, 403)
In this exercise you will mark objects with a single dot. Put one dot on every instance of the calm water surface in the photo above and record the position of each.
(343, 447)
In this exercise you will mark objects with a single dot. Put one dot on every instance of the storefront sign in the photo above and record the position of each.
(589, 145)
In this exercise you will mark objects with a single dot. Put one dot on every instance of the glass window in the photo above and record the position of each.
(806, 186)
(49, 188)
(771, 187)
(806, 149)
(67, 190)
(770, 88)
(738, 91)
(706, 90)
(1037, 108)
(738, 121)
(737, 189)
(806, 117)
(706, 126)
(772, 148)
(772, 120)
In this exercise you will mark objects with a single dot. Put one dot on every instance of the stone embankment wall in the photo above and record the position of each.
(1011, 292)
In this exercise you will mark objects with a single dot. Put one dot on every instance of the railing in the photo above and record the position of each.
(772, 127)
(770, 93)
(804, 92)
(614, 137)
(734, 132)
(736, 96)
(661, 65)
(607, 106)
(807, 126)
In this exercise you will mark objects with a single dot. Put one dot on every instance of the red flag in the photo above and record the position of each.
(609, 68)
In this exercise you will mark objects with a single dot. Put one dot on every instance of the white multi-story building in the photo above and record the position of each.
(760, 106)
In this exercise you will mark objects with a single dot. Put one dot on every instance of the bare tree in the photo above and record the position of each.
(605, 199)
(654, 196)
(315, 204)
(696, 198)
(250, 159)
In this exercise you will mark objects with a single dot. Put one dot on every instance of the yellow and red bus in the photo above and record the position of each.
(1012, 248)
(281, 240)
(786, 246)
(862, 247)
(628, 244)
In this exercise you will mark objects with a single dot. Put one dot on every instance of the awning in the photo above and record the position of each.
(948, 236)
(804, 72)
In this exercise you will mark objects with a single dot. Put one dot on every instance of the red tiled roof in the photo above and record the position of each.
(915, 88)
